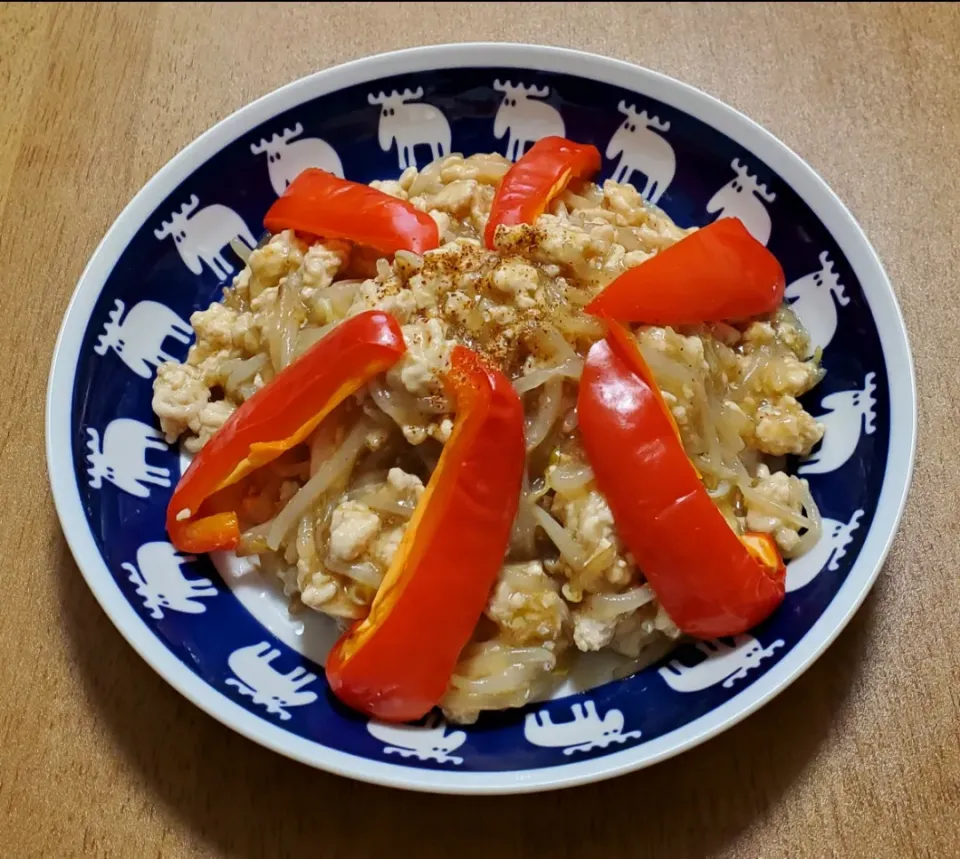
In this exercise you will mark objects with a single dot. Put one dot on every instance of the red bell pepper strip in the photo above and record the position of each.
(322, 204)
(528, 187)
(708, 580)
(397, 663)
(276, 418)
(719, 273)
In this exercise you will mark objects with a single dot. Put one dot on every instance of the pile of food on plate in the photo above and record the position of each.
(491, 415)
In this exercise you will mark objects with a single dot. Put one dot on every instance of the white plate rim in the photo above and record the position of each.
(788, 165)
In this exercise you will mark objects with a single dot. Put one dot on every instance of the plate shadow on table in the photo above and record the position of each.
(239, 799)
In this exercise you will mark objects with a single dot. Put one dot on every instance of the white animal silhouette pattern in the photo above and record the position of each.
(255, 678)
(288, 160)
(585, 732)
(427, 742)
(524, 119)
(812, 297)
(121, 458)
(724, 664)
(161, 583)
(411, 124)
(138, 339)
(825, 555)
(642, 150)
(743, 197)
(850, 413)
(201, 238)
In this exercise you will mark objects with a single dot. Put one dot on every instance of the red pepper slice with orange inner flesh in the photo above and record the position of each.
(279, 416)
(719, 273)
(322, 204)
(529, 185)
(396, 664)
(708, 580)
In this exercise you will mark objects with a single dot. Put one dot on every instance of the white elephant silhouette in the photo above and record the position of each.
(427, 742)
(812, 297)
(288, 160)
(411, 124)
(524, 119)
(256, 679)
(743, 197)
(162, 584)
(825, 555)
(586, 731)
(724, 663)
(642, 150)
(138, 339)
(122, 457)
(850, 414)
(201, 238)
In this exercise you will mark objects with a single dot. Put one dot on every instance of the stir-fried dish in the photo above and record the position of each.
(491, 415)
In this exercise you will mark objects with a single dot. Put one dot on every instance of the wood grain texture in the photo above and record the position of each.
(98, 757)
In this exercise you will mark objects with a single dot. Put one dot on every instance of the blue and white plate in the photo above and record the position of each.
(222, 636)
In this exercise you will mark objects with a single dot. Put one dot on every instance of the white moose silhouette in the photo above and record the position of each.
(264, 684)
(162, 585)
(288, 160)
(200, 238)
(586, 731)
(411, 125)
(743, 197)
(811, 298)
(850, 413)
(724, 663)
(427, 742)
(122, 457)
(643, 151)
(825, 555)
(138, 339)
(525, 119)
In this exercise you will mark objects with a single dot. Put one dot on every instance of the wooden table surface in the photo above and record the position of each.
(99, 757)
